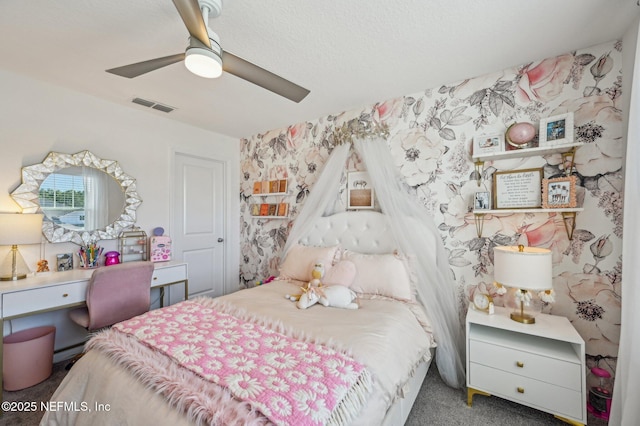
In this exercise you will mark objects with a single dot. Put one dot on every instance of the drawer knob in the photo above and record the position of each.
(65, 295)
(155, 278)
(520, 390)
(520, 364)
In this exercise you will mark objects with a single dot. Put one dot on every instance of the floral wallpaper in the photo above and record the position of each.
(431, 133)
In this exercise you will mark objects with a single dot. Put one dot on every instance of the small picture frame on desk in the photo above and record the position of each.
(64, 262)
(556, 130)
(558, 193)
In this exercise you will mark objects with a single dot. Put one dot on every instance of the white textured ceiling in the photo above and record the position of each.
(348, 53)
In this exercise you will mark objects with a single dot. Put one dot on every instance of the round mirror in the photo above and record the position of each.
(83, 198)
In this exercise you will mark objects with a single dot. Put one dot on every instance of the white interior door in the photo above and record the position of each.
(199, 219)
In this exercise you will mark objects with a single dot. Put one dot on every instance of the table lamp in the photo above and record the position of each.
(525, 269)
(15, 229)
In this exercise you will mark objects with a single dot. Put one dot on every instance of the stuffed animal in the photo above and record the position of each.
(316, 274)
(316, 281)
(43, 266)
(309, 297)
(337, 296)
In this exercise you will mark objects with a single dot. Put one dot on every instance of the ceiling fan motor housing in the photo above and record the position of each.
(214, 8)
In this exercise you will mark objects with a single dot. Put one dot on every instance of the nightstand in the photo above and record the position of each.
(540, 365)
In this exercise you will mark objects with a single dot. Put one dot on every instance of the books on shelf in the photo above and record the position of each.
(270, 209)
(275, 186)
(283, 209)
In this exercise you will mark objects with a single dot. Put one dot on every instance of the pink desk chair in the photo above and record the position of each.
(115, 293)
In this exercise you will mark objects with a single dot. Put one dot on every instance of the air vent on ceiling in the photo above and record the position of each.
(152, 104)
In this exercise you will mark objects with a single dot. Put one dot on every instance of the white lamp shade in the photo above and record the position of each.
(18, 228)
(203, 62)
(529, 269)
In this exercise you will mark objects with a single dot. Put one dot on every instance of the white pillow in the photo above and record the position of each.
(381, 274)
(300, 261)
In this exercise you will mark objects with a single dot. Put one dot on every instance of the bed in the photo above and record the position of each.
(387, 344)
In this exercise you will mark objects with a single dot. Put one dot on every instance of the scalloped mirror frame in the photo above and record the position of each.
(26, 195)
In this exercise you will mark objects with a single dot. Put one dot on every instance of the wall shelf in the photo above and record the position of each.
(526, 152)
(269, 194)
(568, 216)
(270, 217)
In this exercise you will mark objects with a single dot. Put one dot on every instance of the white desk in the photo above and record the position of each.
(60, 290)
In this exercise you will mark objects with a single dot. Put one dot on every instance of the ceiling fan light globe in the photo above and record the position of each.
(203, 62)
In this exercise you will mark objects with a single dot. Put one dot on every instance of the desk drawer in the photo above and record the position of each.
(169, 274)
(534, 393)
(539, 367)
(38, 299)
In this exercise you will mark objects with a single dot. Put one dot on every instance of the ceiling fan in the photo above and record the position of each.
(206, 58)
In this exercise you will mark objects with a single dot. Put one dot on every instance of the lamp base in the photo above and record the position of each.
(13, 267)
(10, 278)
(523, 318)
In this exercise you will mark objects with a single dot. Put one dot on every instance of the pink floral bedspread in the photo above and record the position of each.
(290, 381)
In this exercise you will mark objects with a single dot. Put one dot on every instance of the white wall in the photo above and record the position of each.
(37, 117)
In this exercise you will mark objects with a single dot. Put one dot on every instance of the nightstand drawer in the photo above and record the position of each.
(168, 275)
(39, 299)
(527, 391)
(543, 368)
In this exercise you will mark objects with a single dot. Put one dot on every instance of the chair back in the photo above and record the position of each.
(118, 292)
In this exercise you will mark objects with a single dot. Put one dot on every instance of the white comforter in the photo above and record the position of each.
(387, 336)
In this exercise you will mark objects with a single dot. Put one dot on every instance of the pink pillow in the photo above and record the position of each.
(301, 259)
(342, 273)
(381, 274)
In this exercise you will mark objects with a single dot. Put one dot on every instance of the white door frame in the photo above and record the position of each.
(231, 165)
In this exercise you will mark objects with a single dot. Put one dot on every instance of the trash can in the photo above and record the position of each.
(28, 357)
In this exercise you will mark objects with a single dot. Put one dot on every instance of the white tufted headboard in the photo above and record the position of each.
(363, 231)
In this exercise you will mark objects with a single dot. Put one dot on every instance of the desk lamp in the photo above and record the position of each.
(18, 228)
(525, 269)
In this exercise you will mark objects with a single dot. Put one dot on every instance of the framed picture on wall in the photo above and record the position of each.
(517, 189)
(359, 191)
(482, 200)
(559, 192)
(486, 144)
(556, 130)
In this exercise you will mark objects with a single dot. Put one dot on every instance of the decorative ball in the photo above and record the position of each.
(519, 134)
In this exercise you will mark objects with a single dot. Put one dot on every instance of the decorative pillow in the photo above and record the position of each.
(381, 274)
(342, 273)
(301, 259)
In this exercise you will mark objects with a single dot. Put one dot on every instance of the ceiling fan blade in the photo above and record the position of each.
(139, 68)
(261, 77)
(191, 15)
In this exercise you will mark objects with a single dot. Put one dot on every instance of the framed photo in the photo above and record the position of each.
(482, 200)
(64, 261)
(557, 130)
(359, 191)
(486, 144)
(558, 193)
(517, 189)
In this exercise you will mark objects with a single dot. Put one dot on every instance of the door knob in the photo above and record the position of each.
(220, 240)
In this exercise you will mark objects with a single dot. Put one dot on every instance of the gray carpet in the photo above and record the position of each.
(437, 404)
